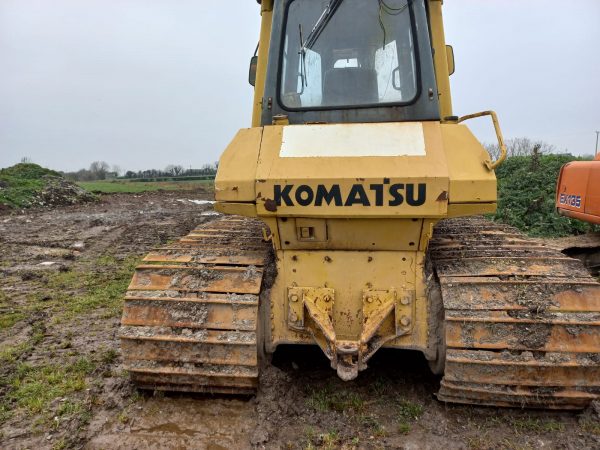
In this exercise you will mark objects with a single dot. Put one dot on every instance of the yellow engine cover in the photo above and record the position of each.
(408, 169)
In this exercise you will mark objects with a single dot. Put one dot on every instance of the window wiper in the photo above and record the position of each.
(322, 22)
(314, 34)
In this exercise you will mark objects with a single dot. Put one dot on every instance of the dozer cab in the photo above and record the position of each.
(352, 222)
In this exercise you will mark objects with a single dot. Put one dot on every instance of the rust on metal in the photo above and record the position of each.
(522, 320)
(190, 315)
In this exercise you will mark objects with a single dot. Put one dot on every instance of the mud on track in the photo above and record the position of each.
(62, 384)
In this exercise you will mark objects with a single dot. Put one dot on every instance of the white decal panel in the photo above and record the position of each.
(353, 140)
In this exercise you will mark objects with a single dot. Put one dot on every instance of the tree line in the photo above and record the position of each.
(101, 170)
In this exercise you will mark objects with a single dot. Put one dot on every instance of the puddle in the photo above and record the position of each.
(196, 202)
(180, 423)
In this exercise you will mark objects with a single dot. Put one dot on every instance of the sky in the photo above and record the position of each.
(147, 83)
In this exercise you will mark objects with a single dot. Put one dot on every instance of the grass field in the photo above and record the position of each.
(122, 186)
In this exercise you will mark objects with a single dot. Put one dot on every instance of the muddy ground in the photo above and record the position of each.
(62, 275)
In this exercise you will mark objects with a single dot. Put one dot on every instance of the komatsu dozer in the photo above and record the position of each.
(352, 221)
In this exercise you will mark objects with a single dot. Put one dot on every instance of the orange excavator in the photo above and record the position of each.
(578, 190)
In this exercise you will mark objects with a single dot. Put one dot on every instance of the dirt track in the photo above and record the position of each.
(61, 327)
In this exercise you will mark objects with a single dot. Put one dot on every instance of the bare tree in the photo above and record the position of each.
(26, 160)
(520, 147)
(174, 170)
(117, 170)
(99, 169)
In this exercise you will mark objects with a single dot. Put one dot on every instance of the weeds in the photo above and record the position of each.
(326, 399)
(79, 292)
(403, 427)
(529, 424)
(10, 354)
(380, 387)
(109, 356)
(373, 425)
(7, 320)
(407, 413)
(590, 426)
(33, 387)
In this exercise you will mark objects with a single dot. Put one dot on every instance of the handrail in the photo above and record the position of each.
(489, 164)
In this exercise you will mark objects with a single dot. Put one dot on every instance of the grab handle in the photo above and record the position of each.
(488, 163)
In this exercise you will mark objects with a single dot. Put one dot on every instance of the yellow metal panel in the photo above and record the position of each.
(237, 167)
(240, 209)
(264, 43)
(377, 270)
(470, 180)
(333, 269)
(350, 173)
(343, 234)
(470, 209)
(440, 58)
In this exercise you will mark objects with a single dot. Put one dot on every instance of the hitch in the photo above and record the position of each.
(311, 310)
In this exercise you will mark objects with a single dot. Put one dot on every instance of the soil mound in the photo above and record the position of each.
(30, 185)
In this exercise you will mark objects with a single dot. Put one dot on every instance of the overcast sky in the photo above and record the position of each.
(147, 83)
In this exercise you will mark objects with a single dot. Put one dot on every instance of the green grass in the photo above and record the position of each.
(73, 293)
(34, 387)
(530, 424)
(8, 319)
(82, 292)
(590, 426)
(326, 399)
(407, 413)
(10, 354)
(123, 186)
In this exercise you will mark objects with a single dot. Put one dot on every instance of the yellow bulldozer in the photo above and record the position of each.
(352, 221)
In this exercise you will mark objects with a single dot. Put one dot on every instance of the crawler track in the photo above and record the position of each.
(190, 318)
(522, 321)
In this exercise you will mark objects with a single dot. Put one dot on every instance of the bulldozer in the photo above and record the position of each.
(352, 220)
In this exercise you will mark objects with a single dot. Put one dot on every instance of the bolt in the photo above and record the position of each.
(405, 321)
(327, 298)
(369, 299)
(327, 258)
(405, 300)
(294, 297)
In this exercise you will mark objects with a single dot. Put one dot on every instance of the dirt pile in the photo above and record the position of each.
(58, 192)
(29, 185)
